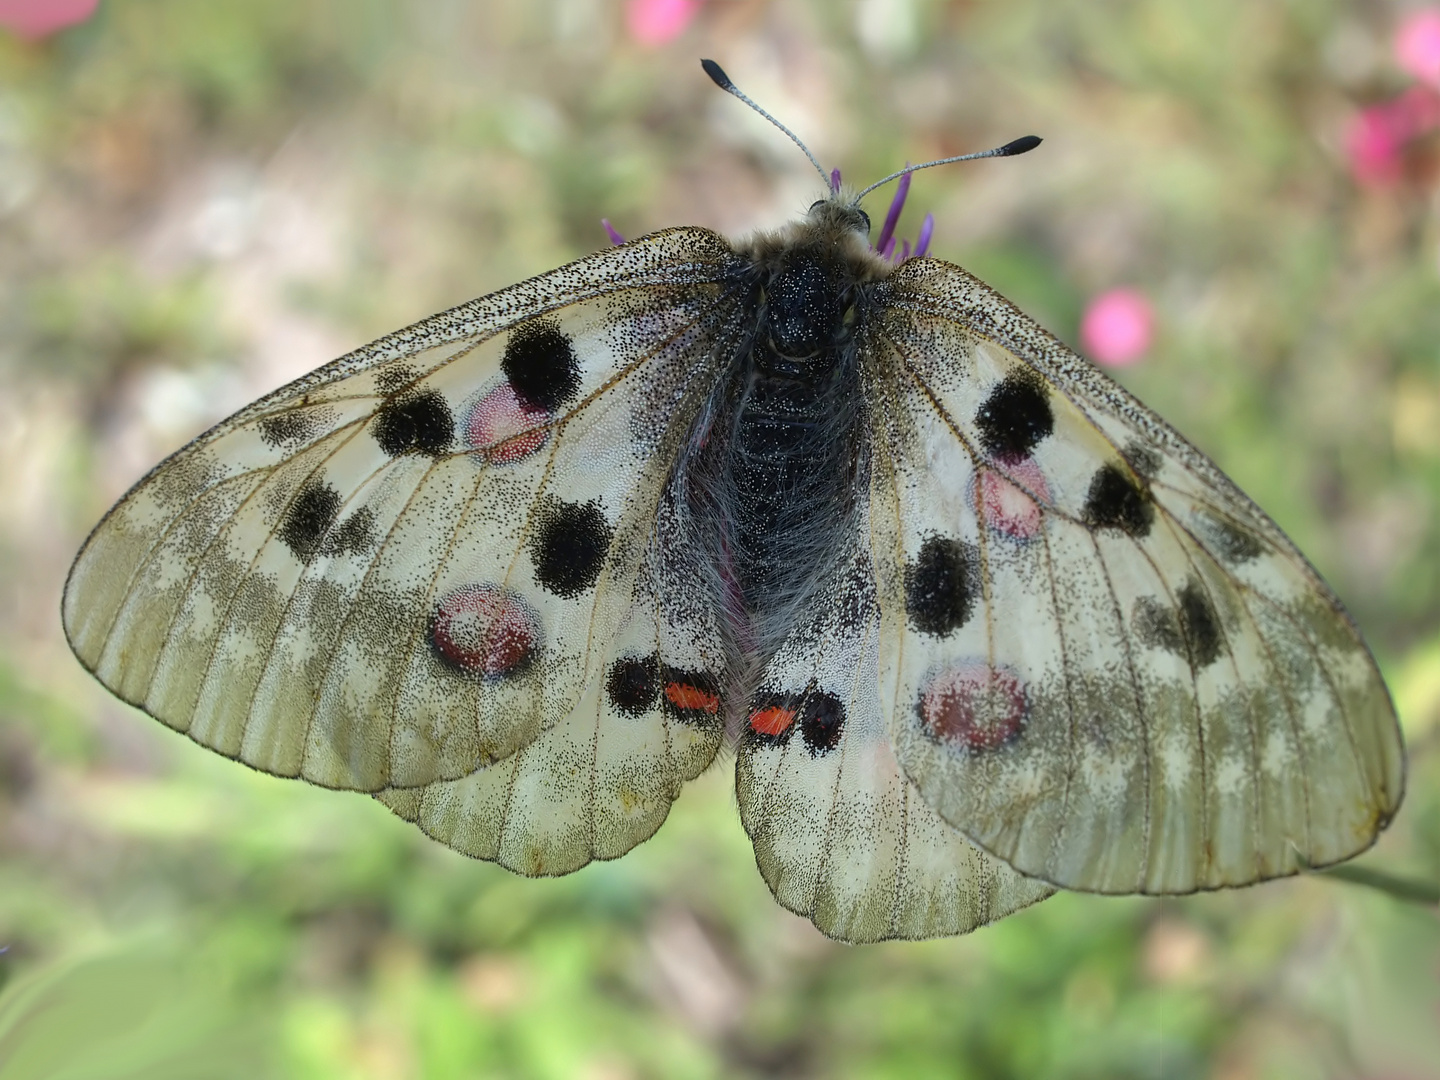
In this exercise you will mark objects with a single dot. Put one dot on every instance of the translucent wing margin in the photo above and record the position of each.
(408, 564)
(1104, 664)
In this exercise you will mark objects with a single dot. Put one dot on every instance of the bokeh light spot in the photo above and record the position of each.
(657, 22)
(35, 19)
(1117, 327)
(1417, 45)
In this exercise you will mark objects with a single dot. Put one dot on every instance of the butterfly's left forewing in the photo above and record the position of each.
(411, 562)
(1102, 662)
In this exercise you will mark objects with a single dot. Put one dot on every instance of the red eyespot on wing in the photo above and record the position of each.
(503, 428)
(690, 698)
(483, 630)
(974, 707)
(1008, 510)
(773, 721)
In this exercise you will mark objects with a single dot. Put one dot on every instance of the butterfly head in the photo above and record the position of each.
(838, 215)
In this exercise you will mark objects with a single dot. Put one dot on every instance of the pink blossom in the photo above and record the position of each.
(1417, 45)
(1378, 134)
(1376, 139)
(1117, 327)
(657, 22)
(1373, 146)
(35, 19)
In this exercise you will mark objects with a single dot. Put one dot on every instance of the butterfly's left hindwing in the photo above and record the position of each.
(409, 564)
(603, 778)
(1100, 660)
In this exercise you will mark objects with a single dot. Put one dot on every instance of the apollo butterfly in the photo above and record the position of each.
(976, 624)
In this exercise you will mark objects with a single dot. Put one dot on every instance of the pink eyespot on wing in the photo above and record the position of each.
(974, 707)
(1009, 510)
(502, 428)
(483, 630)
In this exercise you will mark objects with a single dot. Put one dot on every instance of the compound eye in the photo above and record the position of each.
(865, 218)
(817, 202)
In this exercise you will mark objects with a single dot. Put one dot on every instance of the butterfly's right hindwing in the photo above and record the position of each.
(408, 564)
(841, 836)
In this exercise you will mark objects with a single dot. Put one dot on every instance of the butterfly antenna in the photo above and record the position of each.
(1022, 145)
(718, 76)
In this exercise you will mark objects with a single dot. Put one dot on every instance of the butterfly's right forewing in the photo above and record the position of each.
(1106, 666)
(410, 563)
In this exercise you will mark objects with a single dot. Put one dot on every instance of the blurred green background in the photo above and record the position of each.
(200, 201)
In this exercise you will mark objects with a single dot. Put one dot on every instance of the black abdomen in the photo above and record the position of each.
(792, 470)
(777, 473)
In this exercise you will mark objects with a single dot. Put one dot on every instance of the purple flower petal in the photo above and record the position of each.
(904, 251)
(615, 237)
(834, 181)
(927, 230)
(892, 218)
(888, 249)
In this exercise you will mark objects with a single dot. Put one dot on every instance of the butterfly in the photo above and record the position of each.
(975, 624)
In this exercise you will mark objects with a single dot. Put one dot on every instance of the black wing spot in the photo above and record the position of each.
(569, 546)
(633, 684)
(1015, 418)
(309, 518)
(541, 365)
(394, 379)
(415, 422)
(287, 428)
(1201, 625)
(1192, 631)
(356, 534)
(1116, 501)
(817, 715)
(822, 722)
(1234, 544)
(1156, 625)
(1142, 459)
(940, 587)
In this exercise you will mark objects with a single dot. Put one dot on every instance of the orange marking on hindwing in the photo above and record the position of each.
(772, 720)
(685, 696)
